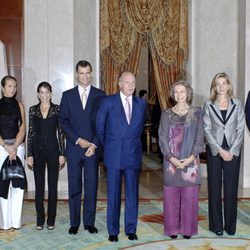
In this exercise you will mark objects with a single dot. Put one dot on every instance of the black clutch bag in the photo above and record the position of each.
(13, 169)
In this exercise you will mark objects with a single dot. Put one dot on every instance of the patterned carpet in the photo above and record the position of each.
(150, 229)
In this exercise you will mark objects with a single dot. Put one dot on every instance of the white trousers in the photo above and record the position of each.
(11, 208)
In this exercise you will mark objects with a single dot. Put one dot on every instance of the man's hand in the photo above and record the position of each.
(90, 151)
(84, 143)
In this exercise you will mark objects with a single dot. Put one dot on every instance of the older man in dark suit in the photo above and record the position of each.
(77, 118)
(119, 124)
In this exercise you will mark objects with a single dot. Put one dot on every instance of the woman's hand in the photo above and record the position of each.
(30, 162)
(177, 163)
(187, 161)
(182, 163)
(12, 151)
(61, 162)
(225, 155)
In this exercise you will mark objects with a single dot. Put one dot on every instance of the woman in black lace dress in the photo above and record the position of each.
(45, 148)
(12, 132)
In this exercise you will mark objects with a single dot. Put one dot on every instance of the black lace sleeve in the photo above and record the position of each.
(61, 137)
(31, 132)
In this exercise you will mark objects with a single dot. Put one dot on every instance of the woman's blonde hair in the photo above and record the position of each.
(188, 88)
(213, 92)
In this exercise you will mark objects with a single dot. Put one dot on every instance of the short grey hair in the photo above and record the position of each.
(188, 88)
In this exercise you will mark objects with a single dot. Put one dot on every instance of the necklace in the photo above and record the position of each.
(180, 111)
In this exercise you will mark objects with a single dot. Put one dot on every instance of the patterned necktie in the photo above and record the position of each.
(84, 98)
(127, 110)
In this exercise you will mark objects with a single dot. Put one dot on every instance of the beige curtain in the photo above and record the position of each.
(124, 24)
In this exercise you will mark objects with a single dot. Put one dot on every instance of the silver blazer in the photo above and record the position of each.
(233, 127)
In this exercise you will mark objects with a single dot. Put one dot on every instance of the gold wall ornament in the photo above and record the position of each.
(144, 15)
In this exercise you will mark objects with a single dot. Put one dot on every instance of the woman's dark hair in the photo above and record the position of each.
(5, 78)
(45, 85)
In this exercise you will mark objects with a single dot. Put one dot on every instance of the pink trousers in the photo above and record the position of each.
(181, 210)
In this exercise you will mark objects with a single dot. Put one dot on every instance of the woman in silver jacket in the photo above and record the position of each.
(224, 132)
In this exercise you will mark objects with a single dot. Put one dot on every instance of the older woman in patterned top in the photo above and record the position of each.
(181, 140)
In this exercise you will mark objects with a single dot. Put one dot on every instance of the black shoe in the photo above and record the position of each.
(132, 236)
(73, 230)
(173, 236)
(113, 238)
(230, 233)
(91, 229)
(186, 237)
(39, 227)
(219, 233)
(49, 227)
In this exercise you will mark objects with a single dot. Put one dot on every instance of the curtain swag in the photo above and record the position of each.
(124, 23)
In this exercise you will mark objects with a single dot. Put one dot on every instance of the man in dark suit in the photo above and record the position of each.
(78, 110)
(119, 124)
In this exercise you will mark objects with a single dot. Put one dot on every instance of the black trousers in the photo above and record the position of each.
(226, 173)
(43, 158)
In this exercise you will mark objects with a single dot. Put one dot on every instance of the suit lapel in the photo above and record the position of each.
(230, 110)
(121, 109)
(230, 107)
(76, 96)
(77, 105)
(89, 98)
(135, 110)
(216, 109)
